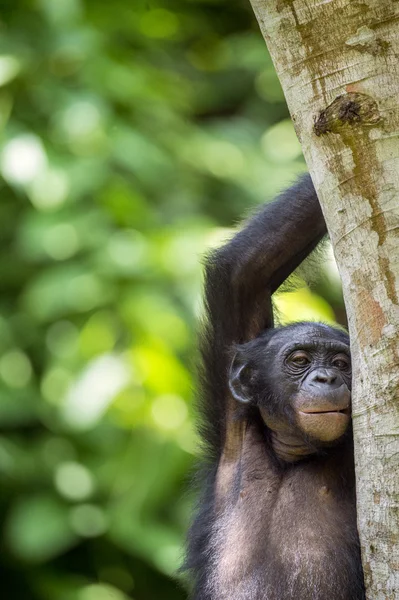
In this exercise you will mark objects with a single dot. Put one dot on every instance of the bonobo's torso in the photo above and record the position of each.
(287, 532)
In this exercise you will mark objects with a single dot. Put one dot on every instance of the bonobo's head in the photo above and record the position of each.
(299, 377)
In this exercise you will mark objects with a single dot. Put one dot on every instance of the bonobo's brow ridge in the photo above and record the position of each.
(317, 343)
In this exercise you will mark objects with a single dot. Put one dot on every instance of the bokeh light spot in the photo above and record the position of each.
(280, 142)
(73, 481)
(61, 241)
(84, 291)
(223, 159)
(15, 369)
(99, 591)
(91, 394)
(81, 119)
(37, 528)
(23, 158)
(9, 69)
(49, 190)
(62, 11)
(128, 250)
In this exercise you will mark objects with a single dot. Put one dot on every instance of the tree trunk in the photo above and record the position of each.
(338, 63)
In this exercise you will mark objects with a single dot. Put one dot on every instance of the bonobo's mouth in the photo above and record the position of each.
(325, 423)
(323, 411)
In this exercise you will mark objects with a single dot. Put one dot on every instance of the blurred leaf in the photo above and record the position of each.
(37, 529)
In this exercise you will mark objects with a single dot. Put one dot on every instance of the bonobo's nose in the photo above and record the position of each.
(326, 377)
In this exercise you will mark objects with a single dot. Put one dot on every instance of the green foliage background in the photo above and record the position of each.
(134, 134)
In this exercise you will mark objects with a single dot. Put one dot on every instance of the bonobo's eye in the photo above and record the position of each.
(299, 358)
(342, 362)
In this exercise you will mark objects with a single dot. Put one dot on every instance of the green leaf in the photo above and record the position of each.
(38, 528)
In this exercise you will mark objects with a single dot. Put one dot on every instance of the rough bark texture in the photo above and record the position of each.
(338, 63)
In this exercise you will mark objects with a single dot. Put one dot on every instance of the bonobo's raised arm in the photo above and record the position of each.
(240, 279)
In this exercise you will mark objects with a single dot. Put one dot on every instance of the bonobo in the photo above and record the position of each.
(277, 516)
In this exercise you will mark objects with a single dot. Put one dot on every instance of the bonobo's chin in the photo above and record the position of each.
(324, 418)
(324, 427)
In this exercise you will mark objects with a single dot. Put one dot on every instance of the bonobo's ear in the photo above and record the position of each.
(239, 379)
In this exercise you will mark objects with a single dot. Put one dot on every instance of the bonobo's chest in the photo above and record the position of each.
(289, 536)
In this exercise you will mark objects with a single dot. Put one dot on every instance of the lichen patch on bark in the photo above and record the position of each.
(369, 311)
(366, 40)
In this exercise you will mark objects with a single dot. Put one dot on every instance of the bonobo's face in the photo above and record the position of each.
(300, 378)
(311, 376)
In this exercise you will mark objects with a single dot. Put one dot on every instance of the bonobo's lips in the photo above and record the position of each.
(325, 419)
(324, 410)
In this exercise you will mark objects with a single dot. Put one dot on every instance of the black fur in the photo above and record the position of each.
(266, 529)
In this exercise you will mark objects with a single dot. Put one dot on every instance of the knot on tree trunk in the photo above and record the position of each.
(349, 109)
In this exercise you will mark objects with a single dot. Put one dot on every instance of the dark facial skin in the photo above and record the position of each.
(305, 400)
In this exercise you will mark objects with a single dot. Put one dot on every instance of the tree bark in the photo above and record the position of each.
(338, 63)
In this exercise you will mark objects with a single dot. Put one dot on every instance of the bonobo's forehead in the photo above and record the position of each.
(308, 334)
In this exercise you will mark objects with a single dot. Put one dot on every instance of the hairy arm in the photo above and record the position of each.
(240, 280)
